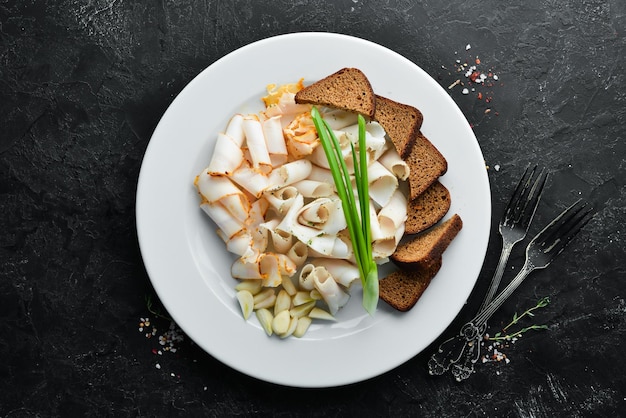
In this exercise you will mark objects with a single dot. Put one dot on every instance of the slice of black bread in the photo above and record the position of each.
(426, 164)
(401, 123)
(427, 209)
(427, 247)
(347, 89)
(401, 289)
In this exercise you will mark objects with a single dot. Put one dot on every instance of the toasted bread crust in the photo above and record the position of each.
(401, 123)
(428, 247)
(347, 89)
(427, 209)
(402, 288)
(427, 165)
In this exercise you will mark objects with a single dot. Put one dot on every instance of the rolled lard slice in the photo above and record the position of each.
(382, 183)
(393, 215)
(227, 156)
(385, 247)
(273, 132)
(281, 199)
(224, 220)
(332, 294)
(323, 214)
(289, 173)
(255, 140)
(344, 272)
(221, 189)
(322, 174)
(298, 253)
(251, 180)
(391, 161)
(374, 138)
(234, 129)
(301, 136)
(339, 119)
(273, 267)
(282, 241)
(313, 189)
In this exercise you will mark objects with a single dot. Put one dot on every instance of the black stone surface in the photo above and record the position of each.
(82, 87)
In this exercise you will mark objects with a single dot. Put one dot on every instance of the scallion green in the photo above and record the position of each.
(357, 218)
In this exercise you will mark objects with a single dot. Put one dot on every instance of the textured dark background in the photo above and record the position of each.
(83, 85)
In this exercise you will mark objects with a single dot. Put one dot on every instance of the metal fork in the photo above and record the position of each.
(513, 228)
(541, 251)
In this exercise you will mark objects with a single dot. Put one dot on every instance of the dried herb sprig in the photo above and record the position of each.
(505, 336)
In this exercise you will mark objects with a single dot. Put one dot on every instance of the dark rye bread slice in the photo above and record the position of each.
(426, 164)
(427, 247)
(402, 289)
(401, 123)
(427, 209)
(347, 89)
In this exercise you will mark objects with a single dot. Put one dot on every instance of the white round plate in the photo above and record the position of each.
(190, 267)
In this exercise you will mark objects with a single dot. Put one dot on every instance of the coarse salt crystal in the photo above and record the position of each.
(468, 47)
(158, 366)
(465, 91)
(495, 77)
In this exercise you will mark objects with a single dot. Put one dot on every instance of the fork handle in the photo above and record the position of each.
(507, 246)
(483, 316)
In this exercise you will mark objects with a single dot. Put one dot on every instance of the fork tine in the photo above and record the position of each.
(525, 198)
(554, 238)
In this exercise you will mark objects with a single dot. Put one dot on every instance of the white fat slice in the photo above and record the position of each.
(344, 272)
(281, 199)
(227, 156)
(391, 161)
(224, 220)
(282, 241)
(246, 270)
(339, 119)
(301, 136)
(324, 215)
(322, 174)
(313, 189)
(273, 131)
(382, 183)
(290, 218)
(235, 129)
(332, 294)
(289, 173)
(255, 140)
(221, 189)
(250, 179)
(393, 215)
(298, 253)
(383, 248)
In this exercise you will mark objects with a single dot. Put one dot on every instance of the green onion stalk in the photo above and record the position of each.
(358, 226)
